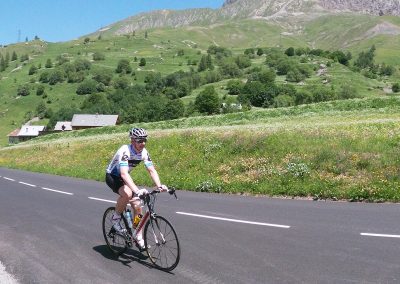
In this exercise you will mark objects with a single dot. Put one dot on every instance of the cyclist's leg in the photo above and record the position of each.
(125, 194)
(136, 205)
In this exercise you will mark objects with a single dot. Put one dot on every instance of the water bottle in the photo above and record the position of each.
(128, 216)
(137, 220)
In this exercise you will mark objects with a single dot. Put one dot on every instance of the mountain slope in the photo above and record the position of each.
(282, 11)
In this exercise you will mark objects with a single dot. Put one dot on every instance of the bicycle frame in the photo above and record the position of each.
(141, 224)
(160, 239)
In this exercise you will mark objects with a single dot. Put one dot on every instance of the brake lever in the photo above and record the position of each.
(172, 192)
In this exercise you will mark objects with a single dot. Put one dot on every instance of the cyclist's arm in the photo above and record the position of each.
(154, 175)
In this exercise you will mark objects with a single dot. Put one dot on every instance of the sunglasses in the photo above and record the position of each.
(139, 141)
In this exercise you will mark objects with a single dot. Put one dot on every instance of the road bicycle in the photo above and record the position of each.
(160, 240)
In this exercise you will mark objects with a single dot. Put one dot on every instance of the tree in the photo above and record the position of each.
(142, 62)
(32, 69)
(260, 51)
(283, 101)
(243, 61)
(366, 59)
(294, 75)
(347, 91)
(234, 87)
(41, 110)
(208, 101)
(103, 76)
(202, 64)
(124, 67)
(154, 82)
(121, 83)
(86, 40)
(387, 70)
(3, 64)
(88, 86)
(255, 93)
(249, 51)
(57, 76)
(48, 64)
(146, 35)
(14, 56)
(230, 68)
(96, 103)
(340, 57)
(264, 76)
(63, 114)
(209, 62)
(173, 109)
(44, 77)
(82, 65)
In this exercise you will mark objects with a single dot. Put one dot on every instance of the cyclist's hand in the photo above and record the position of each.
(163, 187)
(142, 192)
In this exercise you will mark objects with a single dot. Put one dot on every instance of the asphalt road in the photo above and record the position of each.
(50, 232)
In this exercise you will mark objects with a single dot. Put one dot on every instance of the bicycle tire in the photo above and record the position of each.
(162, 244)
(115, 242)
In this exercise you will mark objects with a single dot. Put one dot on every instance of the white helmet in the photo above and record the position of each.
(138, 133)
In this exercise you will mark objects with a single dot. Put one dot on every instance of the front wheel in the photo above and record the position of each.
(116, 242)
(161, 243)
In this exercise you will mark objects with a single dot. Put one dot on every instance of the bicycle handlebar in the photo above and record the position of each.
(171, 191)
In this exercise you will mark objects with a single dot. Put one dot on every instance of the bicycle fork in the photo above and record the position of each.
(153, 220)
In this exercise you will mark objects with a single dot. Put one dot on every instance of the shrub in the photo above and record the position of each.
(97, 56)
(40, 90)
(123, 66)
(88, 86)
(396, 88)
(23, 90)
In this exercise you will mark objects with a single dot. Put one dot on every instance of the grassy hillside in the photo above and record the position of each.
(337, 150)
(161, 49)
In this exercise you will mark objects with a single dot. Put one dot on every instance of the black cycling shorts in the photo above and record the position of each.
(114, 182)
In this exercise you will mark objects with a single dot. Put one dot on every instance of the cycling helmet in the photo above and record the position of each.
(138, 133)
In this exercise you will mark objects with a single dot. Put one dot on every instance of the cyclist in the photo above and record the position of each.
(119, 180)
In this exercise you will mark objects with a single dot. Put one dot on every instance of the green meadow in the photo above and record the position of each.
(343, 150)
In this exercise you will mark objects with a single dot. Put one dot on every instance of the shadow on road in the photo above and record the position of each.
(126, 258)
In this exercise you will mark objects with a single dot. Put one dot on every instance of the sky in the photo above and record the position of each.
(63, 20)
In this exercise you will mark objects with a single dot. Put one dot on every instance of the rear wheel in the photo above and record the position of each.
(116, 242)
(161, 243)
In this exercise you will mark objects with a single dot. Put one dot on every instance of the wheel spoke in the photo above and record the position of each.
(162, 242)
(117, 243)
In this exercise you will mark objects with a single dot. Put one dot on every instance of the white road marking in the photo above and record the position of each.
(28, 184)
(58, 191)
(9, 178)
(235, 220)
(380, 235)
(99, 199)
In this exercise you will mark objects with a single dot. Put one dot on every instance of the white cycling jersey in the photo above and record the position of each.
(126, 156)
